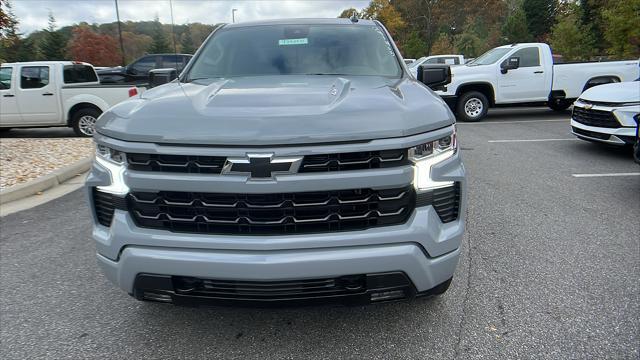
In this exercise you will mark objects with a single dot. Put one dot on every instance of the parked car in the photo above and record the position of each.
(291, 161)
(636, 146)
(138, 71)
(608, 113)
(436, 59)
(409, 61)
(525, 73)
(55, 93)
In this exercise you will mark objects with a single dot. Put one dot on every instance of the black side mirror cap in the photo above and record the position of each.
(435, 76)
(159, 77)
(510, 64)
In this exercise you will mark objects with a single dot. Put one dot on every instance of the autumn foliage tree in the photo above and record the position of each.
(97, 49)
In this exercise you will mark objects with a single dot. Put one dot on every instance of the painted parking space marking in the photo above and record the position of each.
(532, 140)
(605, 175)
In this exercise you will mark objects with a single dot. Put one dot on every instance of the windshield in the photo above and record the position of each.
(490, 56)
(296, 50)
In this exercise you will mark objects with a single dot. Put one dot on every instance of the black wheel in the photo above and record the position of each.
(559, 104)
(84, 121)
(442, 288)
(472, 106)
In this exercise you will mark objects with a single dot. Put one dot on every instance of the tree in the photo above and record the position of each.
(570, 38)
(10, 42)
(540, 17)
(4, 19)
(186, 42)
(135, 45)
(622, 30)
(383, 11)
(53, 45)
(443, 45)
(347, 13)
(415, 47)
(160, 43)
(515, 28)
(99, 50)
(469, 44)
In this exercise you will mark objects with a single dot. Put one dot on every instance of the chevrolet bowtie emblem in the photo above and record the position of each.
(261, 166)
(588, 106)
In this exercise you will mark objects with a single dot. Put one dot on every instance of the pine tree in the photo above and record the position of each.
(53, 43)
(515, 28)
(160, 43)
(570, 37)
(540, 17)
(10, 42)
(186, 43)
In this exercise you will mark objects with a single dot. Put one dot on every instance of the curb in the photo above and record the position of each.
(45, 182)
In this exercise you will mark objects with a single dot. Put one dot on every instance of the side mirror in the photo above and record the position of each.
(434, 76)
(510, 64)
(158, 77)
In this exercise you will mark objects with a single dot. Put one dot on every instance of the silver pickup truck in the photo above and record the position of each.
(292, 161)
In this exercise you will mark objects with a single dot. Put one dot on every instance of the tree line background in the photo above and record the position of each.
(576, 29)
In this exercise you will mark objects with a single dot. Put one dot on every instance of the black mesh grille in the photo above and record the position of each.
(597, 118)
(270, 290)
(591, 134)
(354, 161)
(105, 205)
(265, 214)
(176, 163)
(446, 201)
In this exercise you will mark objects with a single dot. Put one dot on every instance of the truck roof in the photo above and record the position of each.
(302, 21)
(48, 63)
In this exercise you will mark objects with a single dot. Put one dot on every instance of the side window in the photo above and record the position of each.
(171, 61)
(142, 66)
(528, 56)
(34, 77)
(5, 78)
(79, 74)
(431, 61)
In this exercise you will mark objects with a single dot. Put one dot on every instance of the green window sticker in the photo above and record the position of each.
(301, 41)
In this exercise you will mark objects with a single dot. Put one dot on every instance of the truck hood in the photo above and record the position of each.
(277, 110)
(614, 93)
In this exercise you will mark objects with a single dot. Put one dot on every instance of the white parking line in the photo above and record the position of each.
(605, 175)
(510, 122)
(531, 140)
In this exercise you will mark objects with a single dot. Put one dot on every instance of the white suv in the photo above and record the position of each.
(606, 113)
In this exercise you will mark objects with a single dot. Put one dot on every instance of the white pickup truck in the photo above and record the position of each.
(524, 73)
(56, 93)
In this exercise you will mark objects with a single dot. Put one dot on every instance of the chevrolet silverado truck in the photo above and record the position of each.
(292, 161)
(525, 74)
(608, 114)
(55, 93)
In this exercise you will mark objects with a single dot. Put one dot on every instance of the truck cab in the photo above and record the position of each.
(67, 93)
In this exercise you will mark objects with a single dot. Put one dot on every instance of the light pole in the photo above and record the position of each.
(233, 15)
(120, 33)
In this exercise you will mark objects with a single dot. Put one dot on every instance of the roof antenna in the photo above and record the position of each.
(354, 17)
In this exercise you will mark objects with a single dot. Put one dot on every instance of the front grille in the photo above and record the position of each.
(354, 161)
(176, 163)
(271, 214)
(590, 134)
(596, 118)
(270, 290)
(312, 163)
(105, 205)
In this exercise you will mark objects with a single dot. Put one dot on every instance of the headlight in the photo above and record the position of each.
(114, 162)
(425, 156)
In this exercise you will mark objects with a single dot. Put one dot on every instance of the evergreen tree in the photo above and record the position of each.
(540, 17)
(160, 43)
(415, 47)
(186, 43)
(515, 29)
(53, 44)
(622, 31)
(570, 38)
(10, 42)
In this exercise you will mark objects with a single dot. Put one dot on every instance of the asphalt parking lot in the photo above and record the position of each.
(550, 269)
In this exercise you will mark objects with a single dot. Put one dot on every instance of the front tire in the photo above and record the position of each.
(472, 106)
(559, 104)
(84, 121)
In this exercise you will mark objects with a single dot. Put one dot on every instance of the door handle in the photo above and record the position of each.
(538, 72)
(47, 94)
(8, 95)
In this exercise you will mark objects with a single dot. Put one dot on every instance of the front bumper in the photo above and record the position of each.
(613, 136)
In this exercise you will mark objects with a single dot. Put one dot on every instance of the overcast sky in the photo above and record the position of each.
(32, 14)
